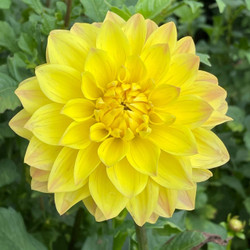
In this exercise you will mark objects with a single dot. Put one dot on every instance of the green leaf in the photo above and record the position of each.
(36, 5)
(96, 242)
(13, 234)
(27, 43)
(184, 241)
(8, 99)
(5, 131)
(246, 139)
(238, 116)
(95, 9)
(233, 183)
(8, 172)
(194, 5)
(5, 4)
(221, 5)
(247, 204)
(204, 58)
(248, 4)
(7, 37)
(150, 9)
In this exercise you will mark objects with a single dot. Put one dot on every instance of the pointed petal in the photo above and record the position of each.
(17, 124)
(211, 150)
(108, 199)
(39, 186)
(143, 155)
(65, 200)
(86, 162)
(163, 94)
(112, 150)
(199, 175)
(120, 176)
(142, 206)
(173, 173)
(99, 132)
(153, 218)
(156, 59)
(89, 87)
(166, 202)
(39, 175)
(65, 48)
(61, 177)
(40, 155)
(99, 64)
(135, 29)
(77, 134)
(47, 124)
(190, 110)
(185, 45)
(164, 34)
(87, 32)
(186, 199)
(187, 67)
(93, 209)
(115, 44)
(177, 140)
(31, 95)
(151, 27)
(111, 16)
(59, 83)
(79, 109)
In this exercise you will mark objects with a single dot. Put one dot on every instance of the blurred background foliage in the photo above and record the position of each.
(28, 219)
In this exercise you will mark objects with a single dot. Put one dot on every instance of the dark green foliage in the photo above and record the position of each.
(28, 219)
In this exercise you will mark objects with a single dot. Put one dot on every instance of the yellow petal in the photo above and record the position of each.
(153, 218)
(199, 175)
(156, 59)
(142, 206)
(212, 152)
(203, 76)
(173, 173)
(115, 44)
(112, 150)
(99, 64)
(39, 186)
(89, 87)
(120, 176)
(143, 155)
(111, 16)
(164, 34)
(135, 29)
(99, 132)
(182, 70)
(59, 83)
(216, 118)
(47, 124)
(61, 177)
(93, 209)
(190, 110)
(65, 48)
(39, 175)
(40, 155)
(186, 199)
(86, 162)
(163, 94)
(166, 202)
(177, 140)
(79, 109)
(77, 134)
(17, 124)
(108, 199)
(31, 95)
(151, 27)
(65, 200)
(185, 45)
(87, 32)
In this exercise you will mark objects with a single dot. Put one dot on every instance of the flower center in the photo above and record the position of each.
(124, 110)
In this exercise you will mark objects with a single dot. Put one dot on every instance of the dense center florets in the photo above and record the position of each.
(124, 109)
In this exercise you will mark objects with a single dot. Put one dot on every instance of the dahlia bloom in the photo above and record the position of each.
(120, 117)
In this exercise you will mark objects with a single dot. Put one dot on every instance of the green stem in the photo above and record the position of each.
(68, 11)
(141, 237)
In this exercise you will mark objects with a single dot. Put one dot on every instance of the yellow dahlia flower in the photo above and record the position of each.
(120, 117)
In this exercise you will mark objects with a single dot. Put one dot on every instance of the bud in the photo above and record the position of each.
(236, 225)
